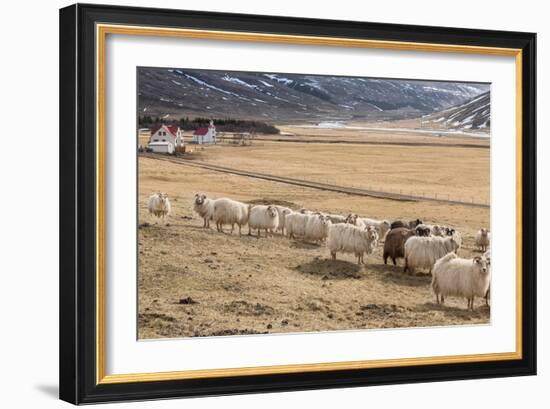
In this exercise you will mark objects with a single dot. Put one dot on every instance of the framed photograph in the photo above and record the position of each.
(258, 203)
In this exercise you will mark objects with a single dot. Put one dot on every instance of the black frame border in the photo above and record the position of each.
(77, 251)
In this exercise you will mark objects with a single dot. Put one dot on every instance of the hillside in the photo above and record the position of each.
(473, 114)
(292, 97)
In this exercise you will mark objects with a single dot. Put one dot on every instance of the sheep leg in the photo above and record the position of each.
(472, 304)
(406, 265)
(240, 230)
(333, 254)
(394, 262)
(442, 300)
(232, 228)
(437, 298)
(249, 231)
(385, 258)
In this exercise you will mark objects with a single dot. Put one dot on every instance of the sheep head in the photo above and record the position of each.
(272, 211)
(200, 198)
(372, 233)
(482, 264)
(325, 221)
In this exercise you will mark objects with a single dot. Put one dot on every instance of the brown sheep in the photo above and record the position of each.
(411, 224)
(394, 246)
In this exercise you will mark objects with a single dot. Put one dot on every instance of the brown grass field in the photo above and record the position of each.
(198, 282)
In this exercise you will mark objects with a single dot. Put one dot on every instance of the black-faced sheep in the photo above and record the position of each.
(423, 231)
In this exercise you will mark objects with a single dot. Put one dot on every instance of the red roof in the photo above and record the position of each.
(200, 131)
(173, 129)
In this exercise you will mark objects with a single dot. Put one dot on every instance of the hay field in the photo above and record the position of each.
(197, 282)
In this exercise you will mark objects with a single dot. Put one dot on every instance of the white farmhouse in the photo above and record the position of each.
(205, 135)
(165, 138)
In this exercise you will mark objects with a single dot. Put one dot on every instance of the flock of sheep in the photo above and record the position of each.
(431, 248)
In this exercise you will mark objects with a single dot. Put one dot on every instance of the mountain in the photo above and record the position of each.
(473, 114)
(292, 97)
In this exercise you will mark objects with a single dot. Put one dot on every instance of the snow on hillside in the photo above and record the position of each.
(473, 114)
(290, 97)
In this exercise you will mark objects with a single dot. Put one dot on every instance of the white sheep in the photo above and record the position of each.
(282, 211)
(262, 217)
(317, 228)
(487, 255)
(423, 252)
(227, 211)
(336, 218)
(460, 277)
(295, 224)
(382, 226)
(159, 206)
(347, 238)
(203, 206)
(352, 219)
(483, 239)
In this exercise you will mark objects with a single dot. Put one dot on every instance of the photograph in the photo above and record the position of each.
(254, 203)
(274, 202)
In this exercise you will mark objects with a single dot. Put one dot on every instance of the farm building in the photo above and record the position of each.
(205, 135)
(166, 138)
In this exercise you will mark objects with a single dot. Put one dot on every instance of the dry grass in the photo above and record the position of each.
(197, 282)
(456, 173)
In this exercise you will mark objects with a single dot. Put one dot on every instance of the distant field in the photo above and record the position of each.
(457, 173)
(247, 285)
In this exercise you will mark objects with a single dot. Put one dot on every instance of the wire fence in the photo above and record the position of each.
(327, 185)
